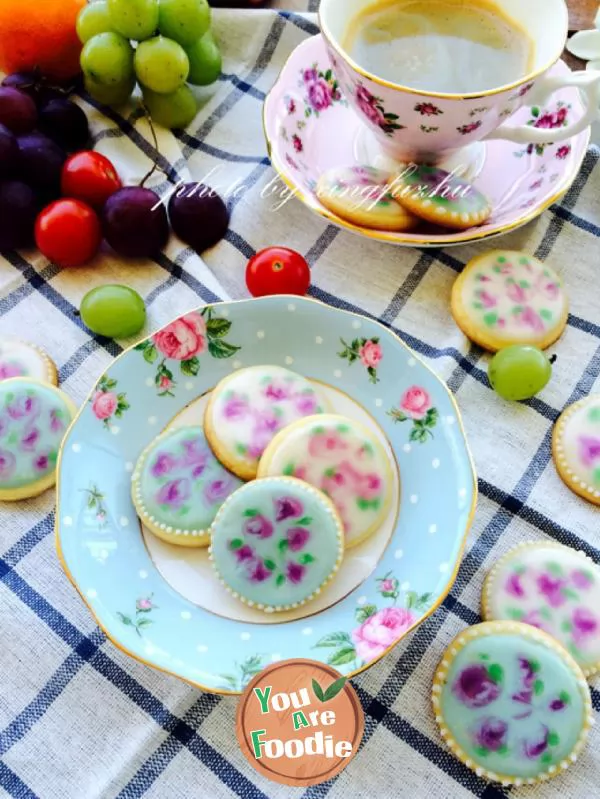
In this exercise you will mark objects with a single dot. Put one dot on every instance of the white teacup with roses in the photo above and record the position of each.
(419, 126)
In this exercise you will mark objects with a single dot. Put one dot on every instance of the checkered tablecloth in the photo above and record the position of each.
(80, 720)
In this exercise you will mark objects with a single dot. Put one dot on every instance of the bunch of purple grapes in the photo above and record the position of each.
(39, 126)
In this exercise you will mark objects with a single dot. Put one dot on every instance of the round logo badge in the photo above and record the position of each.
(299, 722)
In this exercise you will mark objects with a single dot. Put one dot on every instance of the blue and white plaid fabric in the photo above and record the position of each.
(80, 720)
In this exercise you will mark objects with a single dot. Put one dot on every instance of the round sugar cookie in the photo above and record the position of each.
(22, 359)
(178, 486)
(511, 703)
(34, 418)
(276, 542)
(576, 448)
(439, 197)
(507, 297)
(249, 407)
(360, 195)
(344, 460)
(554, 588)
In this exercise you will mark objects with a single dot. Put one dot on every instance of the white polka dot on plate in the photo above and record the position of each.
(291, 307)
(76, 447)
(189, 386)
(275, 657)
(435, 463)
(433, 528)
(115, 429)
(405, 586)
(450, 420)
(357, 324)
(337, 373)
(143, 574)
(149, 381)
(201, 648)
(224, 312)
(152, 420)
(378, 403)
(318, 340)
(260, 334)
(307, 631)
(149, 649)
(236, 365)
(462, 493)
(399, 554)
(92, 593)
(245, 636)
(414, 499)
(362, 600)
(124, 521)
(68, 521)
(289, 360)
(186, 615)
(129, 466)
(444, 567)
(411, 362)
(407, 448)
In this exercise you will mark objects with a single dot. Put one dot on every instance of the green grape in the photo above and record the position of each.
(134, 19)
(161, 65)
(205, 61)
(519, 372)
(113, 311)
(174, 110)
(93, 19)
(185, 21)
(116, 94)
(107, 59)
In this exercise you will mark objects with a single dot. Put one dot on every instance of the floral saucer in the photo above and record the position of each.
(141, 593)
(310, 128)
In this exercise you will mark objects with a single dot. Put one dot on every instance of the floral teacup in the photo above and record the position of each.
(414, 125)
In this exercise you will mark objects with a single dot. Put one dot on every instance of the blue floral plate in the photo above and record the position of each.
(130, 582)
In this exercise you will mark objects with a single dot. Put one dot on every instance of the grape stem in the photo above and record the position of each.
(553, 359)
(155, 140)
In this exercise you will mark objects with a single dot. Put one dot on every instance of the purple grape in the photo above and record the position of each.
(24, 81)
(18, 212)
(9, 152)
(17, 110)
(198, 216)
(41, 161)
(65, 123)
(135, 223)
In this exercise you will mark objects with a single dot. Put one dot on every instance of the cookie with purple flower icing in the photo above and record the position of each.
(247, 409)
(553, 588)
(511, 703)
(276, 542)
(361, 195)
(178, 486)
(506, 297)
(21, 359)
(440, 197)
(576, 448)
(34, 418)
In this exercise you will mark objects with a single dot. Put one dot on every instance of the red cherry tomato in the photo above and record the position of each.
(90, 177)
(68, 232)
(277, 270)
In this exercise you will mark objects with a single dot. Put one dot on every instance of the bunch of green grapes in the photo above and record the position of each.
(163, 44)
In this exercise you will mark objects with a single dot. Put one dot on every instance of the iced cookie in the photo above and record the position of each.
(21, 359)
(511, 703)
(576, 448)
(360, 195)
(34, 418)
(276, 543)
(344, 460)
(439, 197)
(554, 588)
(247, 409)
(178, 486)
(507, 297)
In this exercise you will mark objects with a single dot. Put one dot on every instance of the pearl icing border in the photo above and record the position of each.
(484, 630)
(489, 584)
(330, 510)
(138, 500)
(567, 475)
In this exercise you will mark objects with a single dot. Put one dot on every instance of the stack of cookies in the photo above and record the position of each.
(273, 484)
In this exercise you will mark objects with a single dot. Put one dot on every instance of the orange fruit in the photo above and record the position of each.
(40, 33)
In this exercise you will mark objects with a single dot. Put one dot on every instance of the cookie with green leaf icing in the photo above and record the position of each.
(361, 195)
(506, 297)
(551, 587)
(34, 418)
(511, 703)
(276, 542)
(576, 447)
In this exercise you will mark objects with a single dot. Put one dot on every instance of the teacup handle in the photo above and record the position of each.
(587, 82)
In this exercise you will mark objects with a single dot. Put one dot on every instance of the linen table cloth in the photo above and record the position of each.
(79, 719)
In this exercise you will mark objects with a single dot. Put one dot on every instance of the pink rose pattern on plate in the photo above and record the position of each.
(366, 350)
(556, 591)
(185, 341)
(416, 406)
(33, 423)
(514, 296)
(107, 402)
(547, 120)
(321, 90)
(142, 615)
